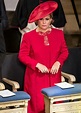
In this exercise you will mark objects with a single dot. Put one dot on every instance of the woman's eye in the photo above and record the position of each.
(44, 19)
(47, 18)
(41, 18)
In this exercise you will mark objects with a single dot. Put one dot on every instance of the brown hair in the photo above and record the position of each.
(51, 15)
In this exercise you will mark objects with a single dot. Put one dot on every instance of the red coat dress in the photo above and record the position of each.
(33, 51)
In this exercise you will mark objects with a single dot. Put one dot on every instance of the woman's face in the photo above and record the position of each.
(44, 23)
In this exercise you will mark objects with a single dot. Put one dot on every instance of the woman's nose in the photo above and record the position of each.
(44, 21)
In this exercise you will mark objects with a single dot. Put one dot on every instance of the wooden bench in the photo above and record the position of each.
(59, 100)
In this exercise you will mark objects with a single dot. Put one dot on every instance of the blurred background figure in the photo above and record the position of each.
(3, 26)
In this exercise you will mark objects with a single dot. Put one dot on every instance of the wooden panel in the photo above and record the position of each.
(78, 6)
(72, 25)
(79, 16)
(67, 6)
(69, 104)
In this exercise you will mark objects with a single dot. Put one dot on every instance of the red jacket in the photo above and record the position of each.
(33, 51)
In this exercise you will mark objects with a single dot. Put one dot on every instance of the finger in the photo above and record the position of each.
(43, 71)
(53, 71)
(47, 71)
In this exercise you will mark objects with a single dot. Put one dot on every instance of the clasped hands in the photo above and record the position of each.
(43, 69)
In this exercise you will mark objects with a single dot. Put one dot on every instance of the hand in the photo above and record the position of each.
(55, 68)
(42, 68)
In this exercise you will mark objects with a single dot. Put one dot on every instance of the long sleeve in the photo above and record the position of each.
(3, 25)
(3, 16)
(59, 15)
(22, 12)
(24, 53)
(64, 50)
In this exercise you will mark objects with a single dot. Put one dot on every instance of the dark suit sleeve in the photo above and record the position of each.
(3, 15)
(17, 14)
(3, 26)
(59, 16)
(22, 12)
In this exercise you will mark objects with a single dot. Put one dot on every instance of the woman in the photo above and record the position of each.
(43, 51)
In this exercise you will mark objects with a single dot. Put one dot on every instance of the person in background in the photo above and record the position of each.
(43, 51)
(23, 10)
(3, 26)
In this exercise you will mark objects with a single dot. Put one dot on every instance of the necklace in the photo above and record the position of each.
(45, 36)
